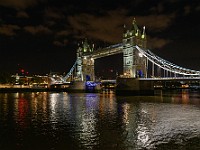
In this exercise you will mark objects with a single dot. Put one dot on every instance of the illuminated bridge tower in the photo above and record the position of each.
(134, 64)
(85, 63)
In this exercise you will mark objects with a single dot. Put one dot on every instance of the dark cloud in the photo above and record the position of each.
(106, 28)
(37, 30)
(157, 43)
(18, 4)
(61, 43)
(8, 29)
(63, 33)
(109, 28)
(58, 43)
(22, 14)
(53, 13)
(156, 22)
(50, 23)
(197, 8)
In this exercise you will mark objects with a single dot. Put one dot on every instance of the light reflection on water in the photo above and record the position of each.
(60, 121)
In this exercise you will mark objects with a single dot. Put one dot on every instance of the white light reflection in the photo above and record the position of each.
(126, 108)
(142, 135)
(88, 132)
(16, 97)
(53, 104)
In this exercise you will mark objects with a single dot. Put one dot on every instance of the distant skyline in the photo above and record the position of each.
(42, 35)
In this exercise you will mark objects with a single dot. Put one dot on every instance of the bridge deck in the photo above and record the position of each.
(171, 78)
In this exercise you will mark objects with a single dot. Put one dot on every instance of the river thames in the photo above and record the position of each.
(102, 121)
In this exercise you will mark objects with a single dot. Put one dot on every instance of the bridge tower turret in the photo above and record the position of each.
(85, 62)
(134, 64)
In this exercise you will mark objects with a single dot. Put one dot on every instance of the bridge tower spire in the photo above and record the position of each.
(85, 62)
(134, 64)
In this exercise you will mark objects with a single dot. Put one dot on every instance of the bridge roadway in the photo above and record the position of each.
(172, 79)
(111, 50)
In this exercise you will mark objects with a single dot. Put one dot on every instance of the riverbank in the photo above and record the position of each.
(14, 90)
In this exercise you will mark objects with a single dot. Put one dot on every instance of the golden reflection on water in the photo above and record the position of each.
(92, 119)
(5, 104)
(107, 103)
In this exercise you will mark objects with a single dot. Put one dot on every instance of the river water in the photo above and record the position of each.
(63, 121)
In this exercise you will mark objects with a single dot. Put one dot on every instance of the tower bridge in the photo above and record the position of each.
(139, 63)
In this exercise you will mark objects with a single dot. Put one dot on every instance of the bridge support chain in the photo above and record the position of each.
(134, 86)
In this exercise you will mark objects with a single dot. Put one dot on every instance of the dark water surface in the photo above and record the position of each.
(62, 121)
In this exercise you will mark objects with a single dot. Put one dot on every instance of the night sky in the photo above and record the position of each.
(42, 35)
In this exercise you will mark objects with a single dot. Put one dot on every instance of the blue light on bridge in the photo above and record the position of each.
(91, 83)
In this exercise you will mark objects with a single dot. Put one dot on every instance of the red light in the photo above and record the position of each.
(22, 70)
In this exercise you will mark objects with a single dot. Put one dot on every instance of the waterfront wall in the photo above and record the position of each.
(134, 86)
(80, 86)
